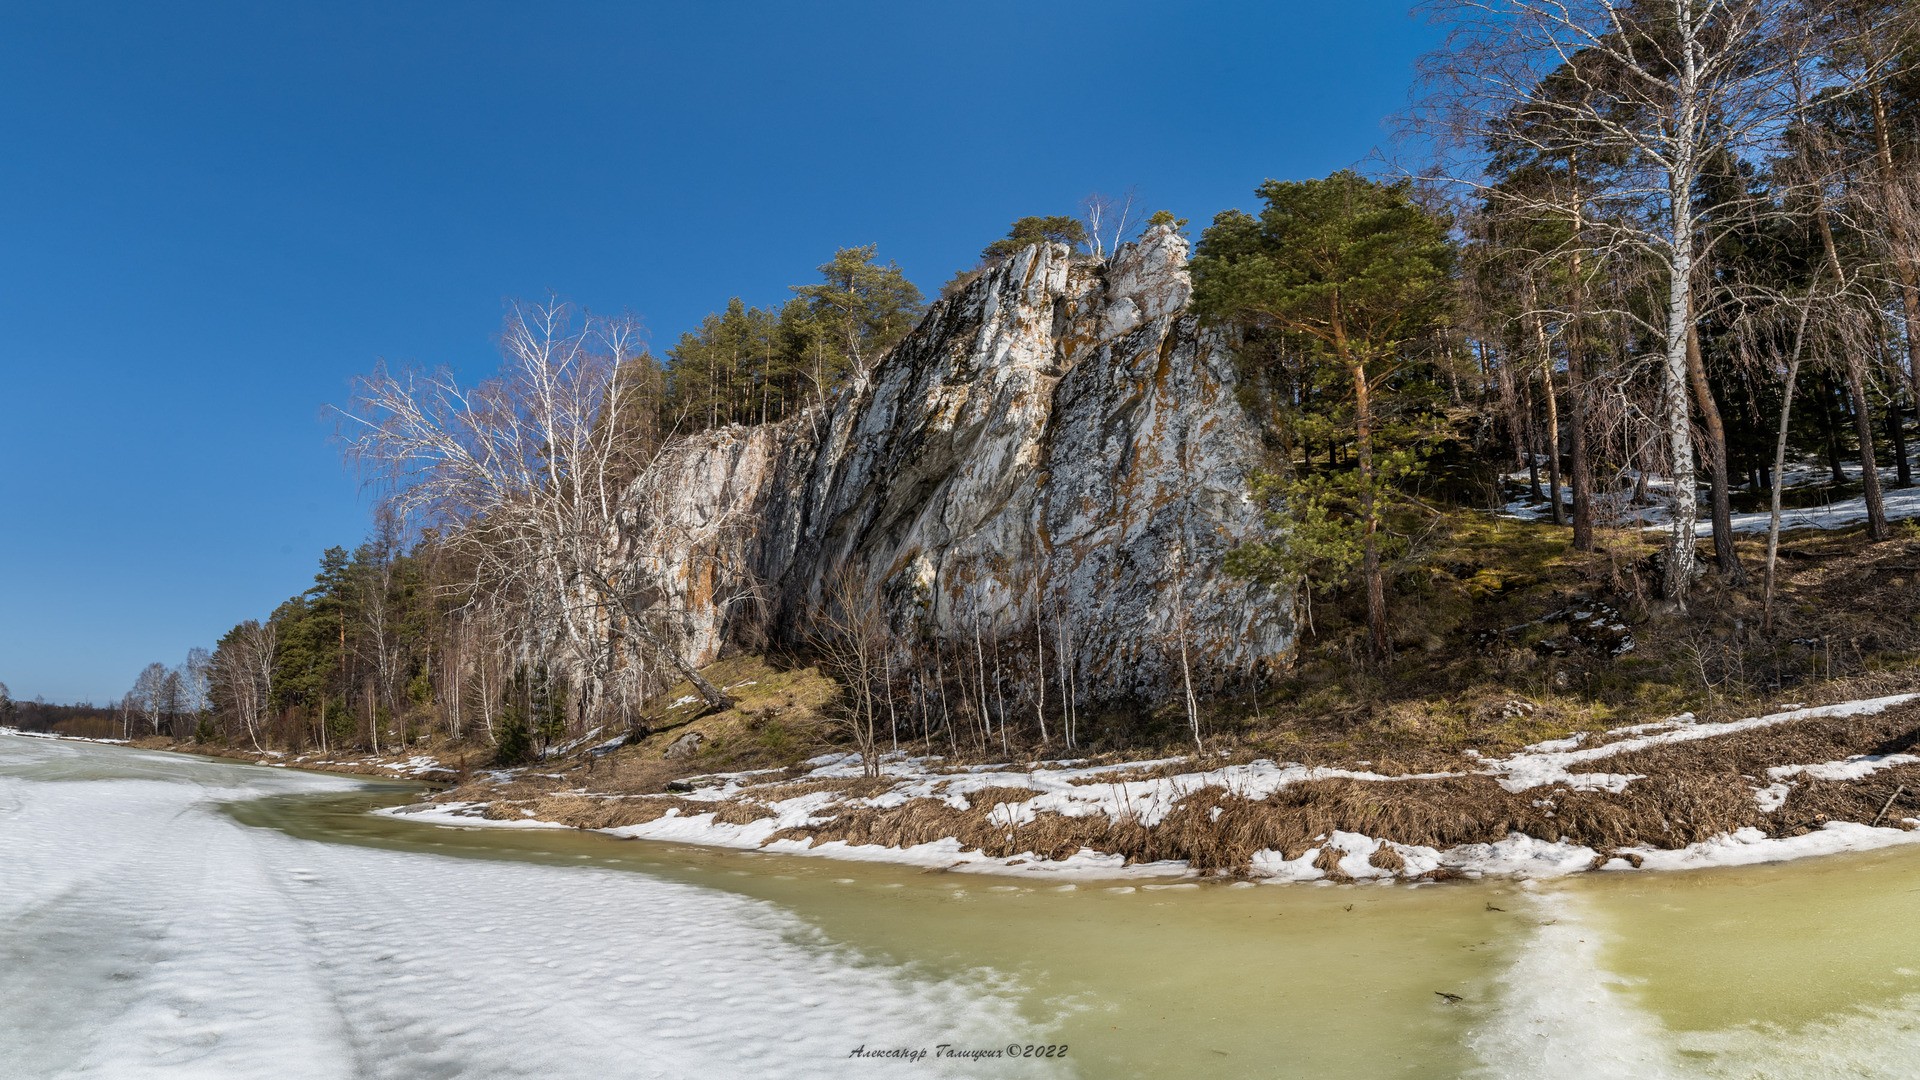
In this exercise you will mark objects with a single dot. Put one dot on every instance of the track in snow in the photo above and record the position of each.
(147, 934)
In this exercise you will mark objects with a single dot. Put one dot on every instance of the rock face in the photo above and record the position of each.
(1053, 462)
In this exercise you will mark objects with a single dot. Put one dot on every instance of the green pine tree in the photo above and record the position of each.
(1352, 276)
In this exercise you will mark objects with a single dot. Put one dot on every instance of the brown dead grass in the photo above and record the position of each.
(1815, 802)
(921, 821)
(1387, 859)
(1441, 814)
(987, 798)
(1328, 863)
(1690, 792)
(1800, 742)
(853, 787)
(592, 812)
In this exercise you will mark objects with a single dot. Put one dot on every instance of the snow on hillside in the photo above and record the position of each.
(1145, 791)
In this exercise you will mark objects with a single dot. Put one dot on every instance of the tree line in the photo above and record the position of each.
(1667, 249)
(748, 365)
(1668, 244)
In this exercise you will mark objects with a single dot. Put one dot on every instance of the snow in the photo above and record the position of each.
(944, 854)
(568, 747)
(1149, 801)
(1612, 506)
(418, 765)
(1898, 502)
(1549, 763)
(1517, 856)
(1076, 789)
(1746, 847)
(1853, 768)
(57, 735)
(1073, 790)
(148, 934)
(1561, 1013)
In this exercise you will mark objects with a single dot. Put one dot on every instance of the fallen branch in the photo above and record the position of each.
(1885, 806)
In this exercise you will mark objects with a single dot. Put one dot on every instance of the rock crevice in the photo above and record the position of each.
(1056, 453)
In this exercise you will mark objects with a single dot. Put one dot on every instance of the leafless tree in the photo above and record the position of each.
(1109, 220)
(196, 683)
(149, 695)
(173, 702)
(243, 666)
(380, 639)
(1796, 352)
(1656, 89)
(1182, 630)
(849, 632)
(1867, 45)
(531, 474)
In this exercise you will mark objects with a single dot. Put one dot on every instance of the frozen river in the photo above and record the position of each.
(145, 932)
(162, 916)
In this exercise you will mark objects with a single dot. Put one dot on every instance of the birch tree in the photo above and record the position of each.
(243, 670)
(1108, 219)
(848, 630)
(1660, 88)
(149, 694)
(529, 474)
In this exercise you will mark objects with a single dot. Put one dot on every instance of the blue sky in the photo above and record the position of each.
(213, 215)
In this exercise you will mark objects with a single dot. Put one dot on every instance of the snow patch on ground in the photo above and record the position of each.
(1614, 506)
(945, 854)
(1899, 503)
(57, 735)
(1749, 846)
(1076, 789)
(1853, 768)
(418, 765)
(1547, 763)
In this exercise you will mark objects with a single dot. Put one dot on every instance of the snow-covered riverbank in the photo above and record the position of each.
(1069, 820)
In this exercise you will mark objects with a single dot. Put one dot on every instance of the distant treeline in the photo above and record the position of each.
(85, 719)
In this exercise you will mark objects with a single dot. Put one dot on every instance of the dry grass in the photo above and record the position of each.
(598, 812)
(1439, 814)
(1888, 797)
(852, 787)
(1801, 742)
(1387, 859)
(1691, 792)
(987, 798)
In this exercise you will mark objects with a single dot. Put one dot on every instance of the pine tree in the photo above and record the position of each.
(1356, 275)
(1055, 229)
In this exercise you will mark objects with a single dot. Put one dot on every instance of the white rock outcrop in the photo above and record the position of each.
(1056, 451)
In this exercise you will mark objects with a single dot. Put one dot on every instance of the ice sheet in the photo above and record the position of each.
(147, 934)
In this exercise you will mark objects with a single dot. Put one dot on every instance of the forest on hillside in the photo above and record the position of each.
(1659, 264)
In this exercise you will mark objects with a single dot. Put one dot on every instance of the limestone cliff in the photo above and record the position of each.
(1056, 451)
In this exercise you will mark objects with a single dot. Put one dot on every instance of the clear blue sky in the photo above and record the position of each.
(213, 215)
